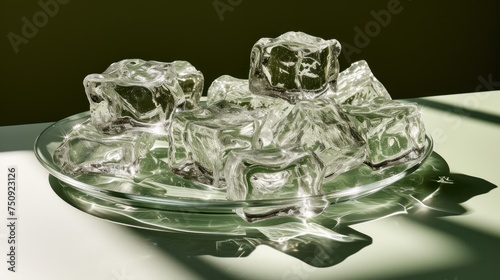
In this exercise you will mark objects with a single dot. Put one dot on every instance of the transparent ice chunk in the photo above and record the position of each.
(237, 91)
(138, 94)
(191, 82)
(274, 174)
(293, 66)
(86, 150)
(202, 138)
(395, 130)
(320, 126)
(357, 85)
(264, 134)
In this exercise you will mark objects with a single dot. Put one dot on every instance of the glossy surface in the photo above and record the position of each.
(399, 197)
(165, 190)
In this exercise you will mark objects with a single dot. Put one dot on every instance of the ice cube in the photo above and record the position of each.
(264, 135)
(201, 139)
(395, 130)
(191, 82)
(138, 94)
(86, 150)
(293, 66)
(320, 126)
(357, 85)
(237, 91)
(274, 174)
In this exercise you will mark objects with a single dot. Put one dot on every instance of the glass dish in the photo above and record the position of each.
(166, 191)
(408, 195)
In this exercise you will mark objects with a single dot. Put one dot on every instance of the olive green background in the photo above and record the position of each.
(426, 48)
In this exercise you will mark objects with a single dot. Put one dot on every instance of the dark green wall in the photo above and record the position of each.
(426, 47)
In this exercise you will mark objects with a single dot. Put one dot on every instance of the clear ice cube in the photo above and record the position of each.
(275, 174)
(191, 82)
(320, 126)
(86, 150)
(237, 91)
(293, 66)
(202, 138)
(264, 135)
(138, 94)
(357, 85)
(395, 130)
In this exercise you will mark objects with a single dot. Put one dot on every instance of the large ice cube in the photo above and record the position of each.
(320, 126)
(357, 85)
(274, 174)
(293, 66)
(201, 139)
(395, 130)
(236, 91)
(135, 94)
(87, 150)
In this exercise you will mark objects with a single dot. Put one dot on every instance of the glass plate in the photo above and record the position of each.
(408, 195)
(166, 191)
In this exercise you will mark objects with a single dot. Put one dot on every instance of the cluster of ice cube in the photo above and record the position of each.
(295, 123)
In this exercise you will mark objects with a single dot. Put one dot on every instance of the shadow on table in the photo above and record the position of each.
(483, 116)
(320, 242)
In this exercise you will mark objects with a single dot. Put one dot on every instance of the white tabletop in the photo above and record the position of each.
(54, 240)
